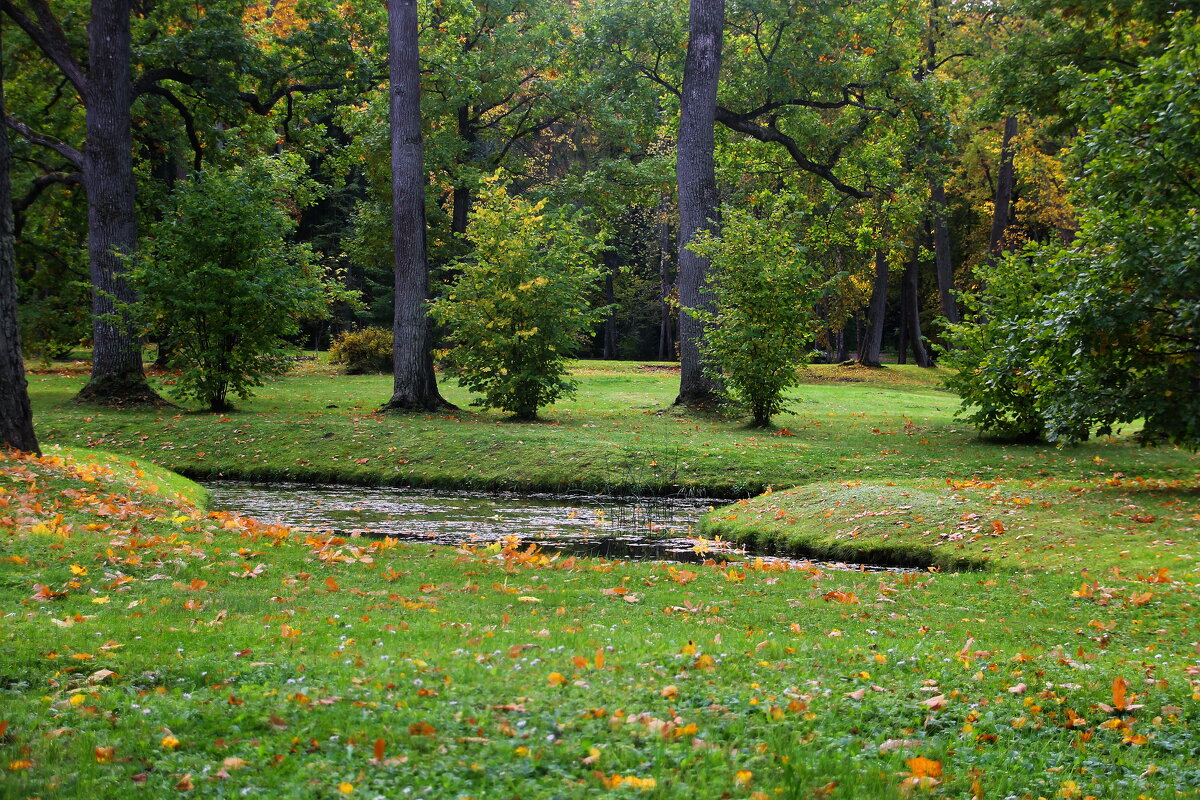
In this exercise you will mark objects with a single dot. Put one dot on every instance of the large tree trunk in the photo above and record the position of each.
(696, 175)
(910, 300)
(611, 264)
(666, 342)
(117, 375)
(414, 384)
(1005, 183)
(870, 349)
(16, 417)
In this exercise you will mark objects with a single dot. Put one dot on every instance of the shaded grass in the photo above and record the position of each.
(620, 434)
(250, 660)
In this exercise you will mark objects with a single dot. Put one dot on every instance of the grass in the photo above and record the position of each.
(150, 647)
(620, 434)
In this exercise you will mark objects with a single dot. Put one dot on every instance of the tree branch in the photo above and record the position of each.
(63, 149)
(48, 35)
(773, 135)
(40, 184)
(189, 123)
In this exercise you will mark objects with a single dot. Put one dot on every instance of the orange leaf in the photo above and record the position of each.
(599, 658)
(556, 679)
(922, 767)
(331, 584)
(185, 784)
(421, 729)
(1119, 686)
(379, 749)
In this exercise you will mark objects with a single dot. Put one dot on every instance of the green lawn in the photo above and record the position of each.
(620, 434)
(153, 649)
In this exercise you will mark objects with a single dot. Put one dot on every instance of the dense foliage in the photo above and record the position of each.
(760, 332)
(221, 286)
(1079, 338)
(362, 351)
(520, 304)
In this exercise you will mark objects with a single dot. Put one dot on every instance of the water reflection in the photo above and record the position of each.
(600, 526)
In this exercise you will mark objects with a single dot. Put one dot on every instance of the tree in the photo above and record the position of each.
(760, 331)
(16, 416)
(414, 384)
(696, 174)
(1116, 337)
(106, 162)
(519, 306)
(221, 286)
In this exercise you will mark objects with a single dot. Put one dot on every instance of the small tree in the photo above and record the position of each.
(761, 331)
(520, 305)
(221, 286)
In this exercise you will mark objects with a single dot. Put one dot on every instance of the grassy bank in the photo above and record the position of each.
(151, 649)
(620, 434)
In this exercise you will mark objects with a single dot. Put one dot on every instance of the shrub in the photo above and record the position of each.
(366, 350)
(220, 284)
(520, 304)
(760, 332)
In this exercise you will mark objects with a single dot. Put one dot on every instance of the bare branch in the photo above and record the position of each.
(63, 149)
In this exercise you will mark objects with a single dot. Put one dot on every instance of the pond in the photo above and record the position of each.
(602, 526)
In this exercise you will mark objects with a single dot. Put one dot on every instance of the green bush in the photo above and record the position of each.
(1077, 339)
(221, 286)
(760, 332)
(367, 350)
(520, 304)
(1005, 355)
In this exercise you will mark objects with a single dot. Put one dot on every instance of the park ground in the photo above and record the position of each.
(1046, 646)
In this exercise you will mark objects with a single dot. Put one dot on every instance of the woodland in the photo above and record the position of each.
(908, 291)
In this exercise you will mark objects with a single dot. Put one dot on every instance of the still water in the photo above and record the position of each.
(653, 528)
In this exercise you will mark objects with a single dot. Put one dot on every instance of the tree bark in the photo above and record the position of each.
(462, 194)
(939, 210)
(910, 299)
(870, 349)
(16, 416)
(666, 341)
(117, 374)
(1005, 183)
(611, 264)
(414, 382)
(696, 174)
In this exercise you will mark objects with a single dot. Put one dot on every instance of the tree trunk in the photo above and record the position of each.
(870, 348)
(414, 383)
(941, 249)
(16, 417)
(666, 342)
(696, 174)
(910, 298)
(610, 299)
(117, 374)
(1005, 183)
(462, 194)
